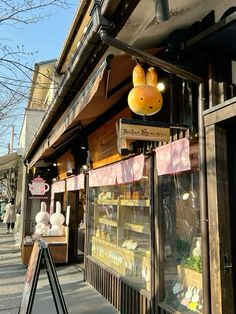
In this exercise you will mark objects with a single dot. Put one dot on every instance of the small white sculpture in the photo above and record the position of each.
(197, 251)
(57, 220)
(42, 219)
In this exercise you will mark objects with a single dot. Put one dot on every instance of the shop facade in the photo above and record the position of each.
(157, 214)
(143, 211)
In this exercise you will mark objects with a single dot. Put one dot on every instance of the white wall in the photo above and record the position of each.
(31, 123)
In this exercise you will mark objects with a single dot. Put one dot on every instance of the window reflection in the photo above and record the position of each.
(182, 243)
(119, 228)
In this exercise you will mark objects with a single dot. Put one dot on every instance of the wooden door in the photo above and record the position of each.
(219, 213)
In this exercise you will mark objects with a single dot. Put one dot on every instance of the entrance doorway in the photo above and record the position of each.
(221, 186)
(231, 152)
(76, 230)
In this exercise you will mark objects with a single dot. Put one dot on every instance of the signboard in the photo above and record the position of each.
(41, 256)
(30, 279)
(131, 129)
(38, 188)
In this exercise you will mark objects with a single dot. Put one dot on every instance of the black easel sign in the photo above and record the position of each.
(41, 255)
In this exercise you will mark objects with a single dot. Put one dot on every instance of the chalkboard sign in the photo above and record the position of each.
(41, 256)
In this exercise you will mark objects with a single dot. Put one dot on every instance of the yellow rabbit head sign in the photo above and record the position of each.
(144, 98)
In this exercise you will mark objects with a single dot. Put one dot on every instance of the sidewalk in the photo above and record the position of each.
(80, 297)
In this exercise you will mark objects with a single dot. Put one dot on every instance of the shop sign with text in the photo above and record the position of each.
(131, 129)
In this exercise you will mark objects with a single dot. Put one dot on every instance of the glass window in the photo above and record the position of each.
(182, 242)
(119, 228)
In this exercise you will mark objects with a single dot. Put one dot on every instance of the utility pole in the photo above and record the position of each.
(12, 138)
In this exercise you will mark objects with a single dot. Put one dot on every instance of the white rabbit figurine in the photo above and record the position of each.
(42, 219)
(57, 220)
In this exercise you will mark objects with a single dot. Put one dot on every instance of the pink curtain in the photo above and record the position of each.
(173, 157)
(124, 171)
(75, 183)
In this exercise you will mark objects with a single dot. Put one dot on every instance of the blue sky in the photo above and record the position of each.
(47, 37)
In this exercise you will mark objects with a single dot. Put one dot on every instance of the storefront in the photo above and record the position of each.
(143, 229)
(159, 236)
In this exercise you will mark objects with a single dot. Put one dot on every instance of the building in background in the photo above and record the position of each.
(40, 97)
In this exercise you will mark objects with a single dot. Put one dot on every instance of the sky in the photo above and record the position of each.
(46, 38)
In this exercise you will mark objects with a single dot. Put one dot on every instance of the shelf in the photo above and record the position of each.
(145, 228)
(107, 202)
(135, 202)
(108, 222)
(123, 251)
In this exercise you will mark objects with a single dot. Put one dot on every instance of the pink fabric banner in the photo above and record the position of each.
(59, 187)
(173, 157)
(75, 183)
(124, 171)
(93, 179)
(138, 166)
(164, 159)
(180, 155)
(80, 179)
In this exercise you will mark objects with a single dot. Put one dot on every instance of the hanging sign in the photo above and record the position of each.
(131, 129)
(38, 188)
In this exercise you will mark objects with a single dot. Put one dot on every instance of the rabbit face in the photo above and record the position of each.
(145, 100)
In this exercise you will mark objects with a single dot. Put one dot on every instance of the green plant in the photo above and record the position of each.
(193, 262)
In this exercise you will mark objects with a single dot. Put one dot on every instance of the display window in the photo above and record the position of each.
(182, 255)
(119, 221)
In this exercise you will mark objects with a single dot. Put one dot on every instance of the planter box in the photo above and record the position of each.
(189, 277)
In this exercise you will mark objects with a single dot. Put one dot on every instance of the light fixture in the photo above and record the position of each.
(83, 142)
(162, 11)
(85, 167)
(161, 86)
(70, 172)
(54, 164)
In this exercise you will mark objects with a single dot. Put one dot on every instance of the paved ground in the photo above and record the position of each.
(79, 296)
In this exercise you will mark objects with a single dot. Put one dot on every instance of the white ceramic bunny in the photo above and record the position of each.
(57, 220)
(42, 219)
(196, 297)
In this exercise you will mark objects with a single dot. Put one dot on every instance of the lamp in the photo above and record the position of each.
(162, 10)
(70, 172)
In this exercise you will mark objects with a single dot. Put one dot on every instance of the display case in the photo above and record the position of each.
(120, 229)
(182, 260)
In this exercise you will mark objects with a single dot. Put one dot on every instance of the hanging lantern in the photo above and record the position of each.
(144, 98)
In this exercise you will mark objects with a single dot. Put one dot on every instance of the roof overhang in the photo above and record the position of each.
(106, 86)
(152, 32)
(9, 161)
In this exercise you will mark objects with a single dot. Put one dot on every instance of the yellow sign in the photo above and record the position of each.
(143, 131)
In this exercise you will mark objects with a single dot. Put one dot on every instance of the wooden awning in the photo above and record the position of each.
(111, 81)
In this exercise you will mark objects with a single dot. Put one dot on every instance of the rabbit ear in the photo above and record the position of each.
(138, 75)
(151, 77)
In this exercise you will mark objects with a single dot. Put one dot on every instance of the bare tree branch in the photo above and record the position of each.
(12, 11)
(15, 69)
